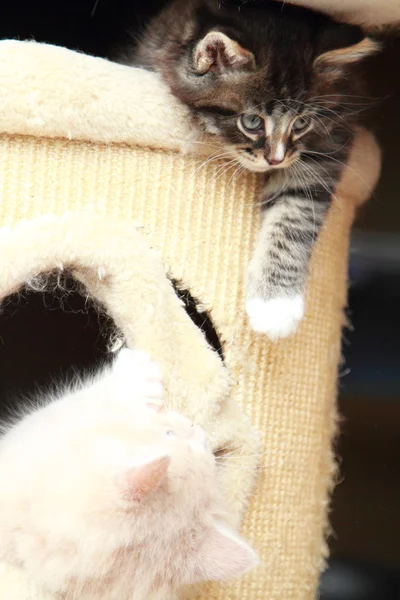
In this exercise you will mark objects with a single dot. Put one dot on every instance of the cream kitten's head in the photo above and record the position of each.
(110, 496)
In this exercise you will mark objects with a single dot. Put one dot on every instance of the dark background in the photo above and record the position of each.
(365, 512)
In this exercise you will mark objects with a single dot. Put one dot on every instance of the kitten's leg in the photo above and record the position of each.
(279, 266)
(140, 375)
(152, 388)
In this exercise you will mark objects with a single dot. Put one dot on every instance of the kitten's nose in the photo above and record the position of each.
(275, 153)
(274, 161)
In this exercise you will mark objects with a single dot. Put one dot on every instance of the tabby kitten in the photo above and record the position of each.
(280, 88)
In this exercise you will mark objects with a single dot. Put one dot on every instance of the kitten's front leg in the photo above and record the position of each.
(136, 374)
(279, 266)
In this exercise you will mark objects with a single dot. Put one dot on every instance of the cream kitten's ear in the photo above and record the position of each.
(223, 555)
(217, 52)
(140, 481)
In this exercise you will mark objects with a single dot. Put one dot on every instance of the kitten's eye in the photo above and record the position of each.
(252, 122)
(300, 124)
(170, 432)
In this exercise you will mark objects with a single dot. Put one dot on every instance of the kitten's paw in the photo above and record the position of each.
(278, 317)
(152, 382)
(143, 374)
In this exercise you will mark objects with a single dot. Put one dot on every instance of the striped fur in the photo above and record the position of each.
(294, 75)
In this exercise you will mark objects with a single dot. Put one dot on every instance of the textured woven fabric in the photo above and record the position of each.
(203, 220)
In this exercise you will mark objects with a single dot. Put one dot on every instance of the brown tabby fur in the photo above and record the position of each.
(275, 64)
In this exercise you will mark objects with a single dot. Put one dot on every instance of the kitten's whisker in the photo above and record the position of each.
(328, 154)
(224, 165)
(345, 125)
(239, 169)
(224, 169)
(222, 458)
(238, 451)
(237, 454)
(346, 106)
(314, 173)
(223, 172)
(346, 166)
(276, 195)
(320, 121)
(321, 182)
(218, 154)
(315, 105)
(215, 157)
(372, 98)
(201, 143)
(314, 116)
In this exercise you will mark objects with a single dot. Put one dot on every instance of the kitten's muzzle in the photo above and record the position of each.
(275, 161)
(275, 154)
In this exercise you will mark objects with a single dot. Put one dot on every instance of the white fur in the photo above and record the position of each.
(280, 151)
(269, 126)
(71, 95)
(278, 317)
(109, 497)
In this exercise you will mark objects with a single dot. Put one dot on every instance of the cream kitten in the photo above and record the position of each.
(106, 496)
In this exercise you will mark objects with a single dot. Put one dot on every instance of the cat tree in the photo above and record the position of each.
(99, 175)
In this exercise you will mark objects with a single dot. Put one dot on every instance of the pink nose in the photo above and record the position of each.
(275, 161)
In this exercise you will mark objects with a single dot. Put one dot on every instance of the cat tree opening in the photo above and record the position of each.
(51, 331)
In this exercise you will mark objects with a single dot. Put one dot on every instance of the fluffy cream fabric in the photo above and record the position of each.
(90, 178)
(66, 95)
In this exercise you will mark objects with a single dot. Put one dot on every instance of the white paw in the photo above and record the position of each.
(276, 318)
(152, 381)
(139, 372)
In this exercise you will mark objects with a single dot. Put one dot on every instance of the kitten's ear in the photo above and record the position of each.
(218, 53)
(341, 45)
(223, 555)
(142, 480)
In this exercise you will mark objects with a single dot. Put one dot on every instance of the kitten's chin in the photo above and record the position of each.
(256, 167)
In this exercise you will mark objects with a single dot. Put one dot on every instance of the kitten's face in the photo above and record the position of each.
(265, 116)
(118, 448)
(277, 92)
(111, 497)
(261, 139)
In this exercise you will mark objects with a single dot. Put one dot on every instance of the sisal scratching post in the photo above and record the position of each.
(75, 147)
